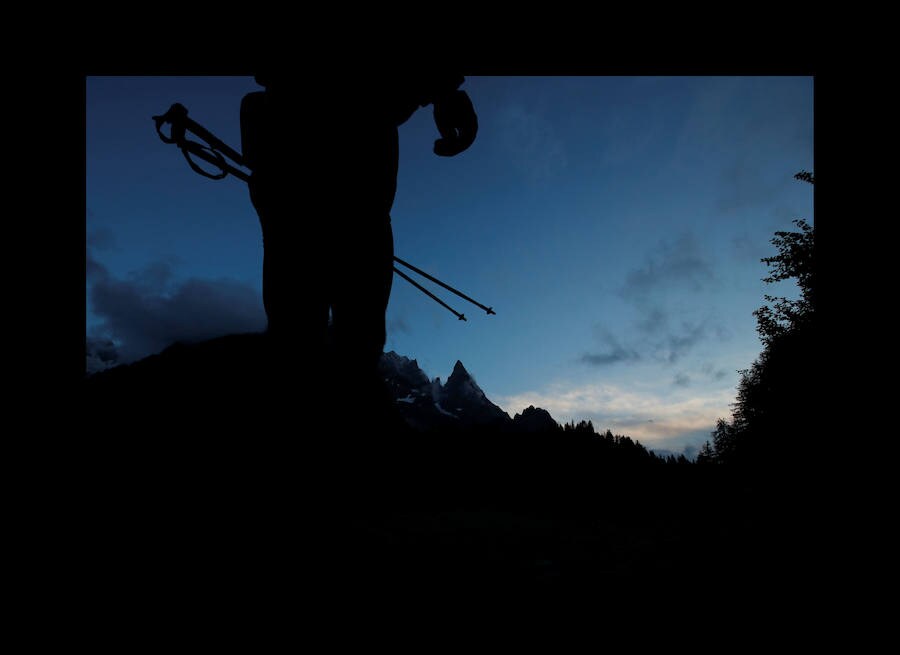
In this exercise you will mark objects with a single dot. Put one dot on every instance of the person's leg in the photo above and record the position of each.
(361, 297)
(363, 246)
(296, 304)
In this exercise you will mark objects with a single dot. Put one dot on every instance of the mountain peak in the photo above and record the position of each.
(464, 397)
(402, 369)
(461, 379)
(534, 419)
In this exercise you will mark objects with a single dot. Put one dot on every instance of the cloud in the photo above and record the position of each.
(652, 321)
(669, 343)
(399, 325)
(651, 289)
(652, 339)
(676, 345)
(148, 311)
(681, 263)
(682, 380)
(653, 417)
(613, 357)
(614, 354)
(712, 372)
(100, 354)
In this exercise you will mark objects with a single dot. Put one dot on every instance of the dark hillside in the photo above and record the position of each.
(215, 456)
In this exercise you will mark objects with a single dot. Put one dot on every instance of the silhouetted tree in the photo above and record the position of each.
(804, 176)
(793, 261)
(706, 455)
(723, 439)
(777, 392)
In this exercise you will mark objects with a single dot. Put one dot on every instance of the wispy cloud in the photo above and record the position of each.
(398, 324)
(681, 263)
(656, 332)
(652, 321)
(612, 353)
(660, 342)
(712, 372)
(677, 343)
(612, 357)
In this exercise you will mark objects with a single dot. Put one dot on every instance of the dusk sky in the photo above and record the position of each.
(615, 224)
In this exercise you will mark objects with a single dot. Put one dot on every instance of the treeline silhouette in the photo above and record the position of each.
(562, 466)
(618, 446)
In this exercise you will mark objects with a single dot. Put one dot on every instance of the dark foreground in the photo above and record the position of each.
(204, 496)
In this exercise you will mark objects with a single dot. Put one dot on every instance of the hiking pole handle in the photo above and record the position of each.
(177, 117)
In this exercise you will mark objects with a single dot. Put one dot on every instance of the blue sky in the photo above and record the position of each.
(615, 224)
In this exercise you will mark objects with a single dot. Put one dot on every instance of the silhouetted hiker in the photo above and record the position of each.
(324, 154)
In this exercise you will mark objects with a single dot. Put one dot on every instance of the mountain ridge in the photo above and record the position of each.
(429, 403)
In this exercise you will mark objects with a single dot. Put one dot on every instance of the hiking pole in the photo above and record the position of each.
(489, 310)
(418, 286)
(177, 117)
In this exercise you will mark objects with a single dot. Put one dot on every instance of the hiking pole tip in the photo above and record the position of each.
(462, 317)
(490, 310)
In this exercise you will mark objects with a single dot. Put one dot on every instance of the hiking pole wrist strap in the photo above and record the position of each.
(177, 117)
